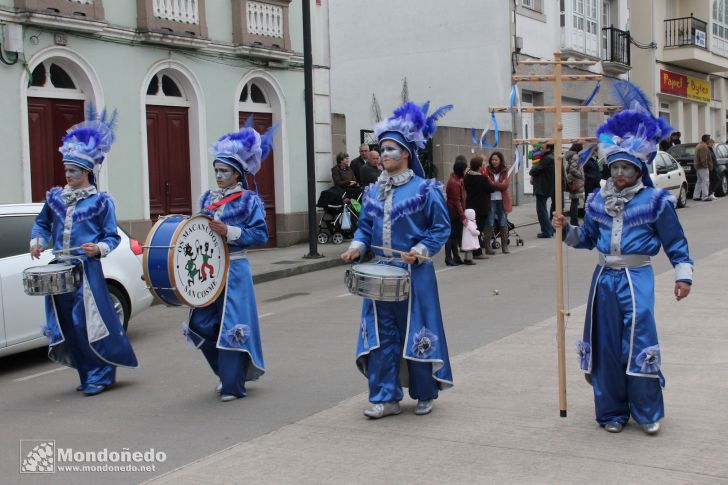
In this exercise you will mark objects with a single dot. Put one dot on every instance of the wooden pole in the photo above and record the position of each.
(558, 168)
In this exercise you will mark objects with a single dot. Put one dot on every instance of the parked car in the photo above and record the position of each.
(666, 173)
(685, 155)
(21, 316)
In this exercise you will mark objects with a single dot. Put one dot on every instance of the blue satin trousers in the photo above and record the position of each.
(71, 317)
(229, 365)
(618, 395)
(383, 364)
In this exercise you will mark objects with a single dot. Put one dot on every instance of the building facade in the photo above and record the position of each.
(180, 73)
(684, 71)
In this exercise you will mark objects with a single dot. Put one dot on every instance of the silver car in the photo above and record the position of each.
(21, 316)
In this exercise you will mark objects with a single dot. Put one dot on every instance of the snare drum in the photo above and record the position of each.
(185, 262)
(52, 279)
(379, 282)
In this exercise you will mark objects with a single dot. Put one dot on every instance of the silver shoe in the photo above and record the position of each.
(651, 428)
(228, 397)
(382, 409)
(218, 387)
(613, 427)
(423, 407)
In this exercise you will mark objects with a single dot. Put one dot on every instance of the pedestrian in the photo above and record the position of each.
(478, 189)
(359, 161)
(370, 172)
(470, 237)
(342, 174)
(627, 221)
(455, 193)
(227, 331)
(592, 173)
(544, 187)
(500, 202)
(575, 185)
(675, 138)
(703, 163)
(82, 328)
(406, 212)
(714, 175)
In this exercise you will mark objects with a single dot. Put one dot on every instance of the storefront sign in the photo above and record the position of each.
(684, 86)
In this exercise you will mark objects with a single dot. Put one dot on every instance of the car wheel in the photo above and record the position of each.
(121, 305)
(682, 197)
(723, 187)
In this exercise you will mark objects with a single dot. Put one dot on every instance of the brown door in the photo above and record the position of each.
(48, 120)
(265, 177)
(168, 149)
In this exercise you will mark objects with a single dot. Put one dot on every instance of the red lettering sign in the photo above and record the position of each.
(672, 83)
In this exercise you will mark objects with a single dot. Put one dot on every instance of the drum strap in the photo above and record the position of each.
(224, 201)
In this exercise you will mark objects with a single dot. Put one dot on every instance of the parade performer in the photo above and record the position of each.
(403, 210)
(227, 331)
(628, 221)
(83, 330)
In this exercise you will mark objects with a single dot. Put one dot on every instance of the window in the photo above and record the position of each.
(163, 85)
(660, 164)
(252, 93)
(720, 18)
(15, 235)
(536, 5)
(51, 75)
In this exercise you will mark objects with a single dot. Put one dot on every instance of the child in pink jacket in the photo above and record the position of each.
(470, 241)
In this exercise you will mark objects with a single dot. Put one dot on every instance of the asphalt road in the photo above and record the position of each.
(309, 324)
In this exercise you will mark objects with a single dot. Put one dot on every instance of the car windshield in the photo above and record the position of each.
(682, 151)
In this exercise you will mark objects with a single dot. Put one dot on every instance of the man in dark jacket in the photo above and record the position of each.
(592, 174)
(369, 173)
(544, 186)
(359, 161)
(478, 189)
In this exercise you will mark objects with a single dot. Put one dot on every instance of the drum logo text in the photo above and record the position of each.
(199, 261)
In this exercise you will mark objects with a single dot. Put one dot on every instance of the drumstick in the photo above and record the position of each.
(426, 258)
(67, 250)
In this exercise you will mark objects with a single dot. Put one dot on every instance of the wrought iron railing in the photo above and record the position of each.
(615, 45)
(685, 31)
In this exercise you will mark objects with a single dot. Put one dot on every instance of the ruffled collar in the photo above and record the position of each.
(219, 194)
(71, 196)
(615, 200)
(388, 182)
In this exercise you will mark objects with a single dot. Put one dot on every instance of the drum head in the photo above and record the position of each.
(384, 270)
(48, 268)
(198, 262)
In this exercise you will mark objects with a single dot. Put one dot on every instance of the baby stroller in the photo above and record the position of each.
(512, 236)
(341, 214)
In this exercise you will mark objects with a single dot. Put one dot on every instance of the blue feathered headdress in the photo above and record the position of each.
(245, 149)
(411, 127)
(633, 134)
(87, 143)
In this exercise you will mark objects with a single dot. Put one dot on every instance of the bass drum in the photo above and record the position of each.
(185, 262)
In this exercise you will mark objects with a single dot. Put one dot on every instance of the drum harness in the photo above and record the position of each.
(216, 205)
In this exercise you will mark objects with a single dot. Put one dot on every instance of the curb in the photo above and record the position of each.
(324, 263)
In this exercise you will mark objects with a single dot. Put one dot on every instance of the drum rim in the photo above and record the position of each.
(170, 266)
(145, 256)
(404, 272)
(29, 269)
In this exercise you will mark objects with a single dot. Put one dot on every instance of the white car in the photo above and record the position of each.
(21, 316)
(667, 174)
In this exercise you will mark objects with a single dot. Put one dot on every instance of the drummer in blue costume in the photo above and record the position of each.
(83, 330)
(404, 211)
(627, 221)
(227, 331)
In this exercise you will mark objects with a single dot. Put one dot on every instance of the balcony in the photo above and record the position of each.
(615, 51)
(78, 15)
(178, 23)
(686, 46)
(260, 28)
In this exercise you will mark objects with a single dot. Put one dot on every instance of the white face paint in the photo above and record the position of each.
(623, 169)
(392, 152)
(224, 174)
(73, 172)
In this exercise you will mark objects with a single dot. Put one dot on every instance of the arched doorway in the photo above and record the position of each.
(55, 102)
(255, 102)
(168, 146)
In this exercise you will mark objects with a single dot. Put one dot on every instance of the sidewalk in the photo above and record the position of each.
(272, 264)
(500, 423)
